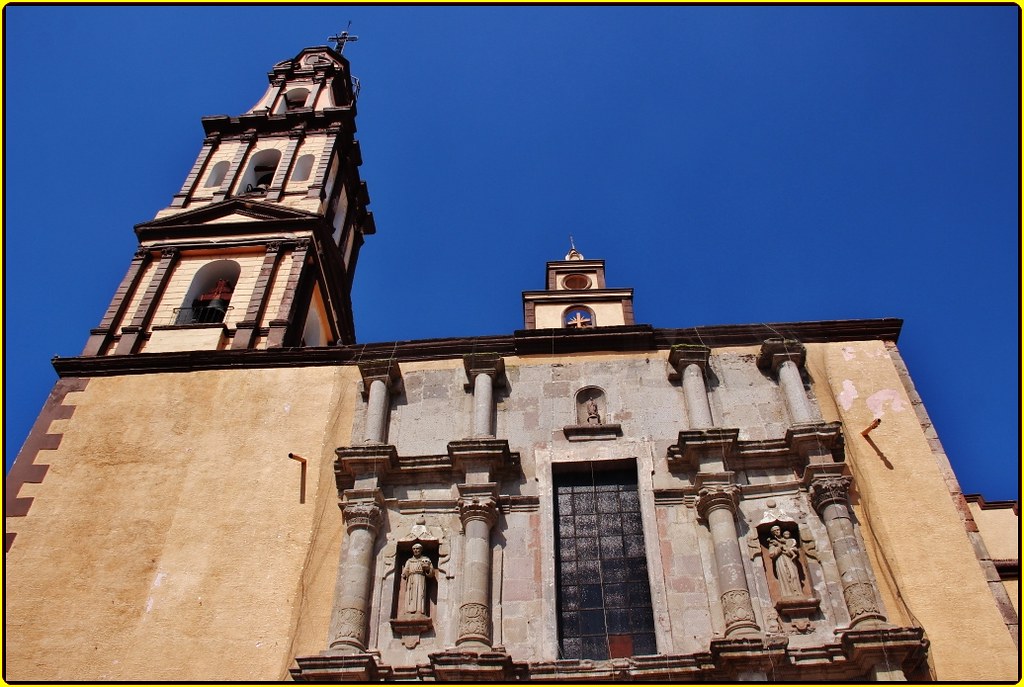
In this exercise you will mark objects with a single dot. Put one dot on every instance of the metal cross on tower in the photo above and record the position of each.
(342, 38)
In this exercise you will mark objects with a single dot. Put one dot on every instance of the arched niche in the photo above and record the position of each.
(259, 173)
(208, 297)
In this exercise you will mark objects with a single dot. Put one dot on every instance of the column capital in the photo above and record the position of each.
(386, 371)
(478, 502)
(683, 355)
(774, 352)
(717, 495)
(826, 487)
(484, 363)
(362, 509)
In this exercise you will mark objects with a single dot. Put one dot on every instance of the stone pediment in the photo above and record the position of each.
(236, 211)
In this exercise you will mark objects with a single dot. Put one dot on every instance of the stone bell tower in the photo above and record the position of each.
(258, 248)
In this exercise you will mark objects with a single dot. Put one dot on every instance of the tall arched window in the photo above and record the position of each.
(210, 293)
(578, 317)
(260, 173)
(217, 173)
(303, 167)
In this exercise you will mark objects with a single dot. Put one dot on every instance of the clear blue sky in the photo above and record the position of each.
(732, 164)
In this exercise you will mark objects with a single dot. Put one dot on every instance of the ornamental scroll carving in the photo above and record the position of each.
(475, 621)
(351, 622)
(736, 607)
(860, 600)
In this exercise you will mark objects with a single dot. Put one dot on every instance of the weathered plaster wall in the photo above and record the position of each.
(1000, 529)
(916, 533)
(167, 540)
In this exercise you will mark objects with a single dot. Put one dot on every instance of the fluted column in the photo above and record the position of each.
(363, 516)
(478, 510)
(716, 503)
(829, 496)
(785, 357)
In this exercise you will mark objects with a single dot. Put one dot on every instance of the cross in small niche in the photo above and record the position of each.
(578, 321)
(342, 38)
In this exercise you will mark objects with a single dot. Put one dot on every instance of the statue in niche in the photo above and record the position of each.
(785, 554)
(589, 403)
(415, 573)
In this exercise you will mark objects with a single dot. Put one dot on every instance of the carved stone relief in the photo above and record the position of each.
(415, 561)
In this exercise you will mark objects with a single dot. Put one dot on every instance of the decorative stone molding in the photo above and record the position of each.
(378, 460)
(697, 445)
(592, 432)
(774, 352)
(484, 456)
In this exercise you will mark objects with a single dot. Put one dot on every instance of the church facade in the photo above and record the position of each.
(224, 485)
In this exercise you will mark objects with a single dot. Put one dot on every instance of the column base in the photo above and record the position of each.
(331, 666)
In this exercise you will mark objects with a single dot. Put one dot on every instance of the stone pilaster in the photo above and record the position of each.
(717, 501)
(182, 197)
(785, 357)
(690, 364)
(363, 513)
(100, 336)
(279, 326)
(245, 331)
(132, 334)
(828, 489)
(478, 511)
(484, 372)
(248, 140)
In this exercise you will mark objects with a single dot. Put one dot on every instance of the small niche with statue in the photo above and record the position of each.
(785, 562)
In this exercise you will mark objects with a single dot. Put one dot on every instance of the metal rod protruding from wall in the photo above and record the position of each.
(877, 421)
(302, 477)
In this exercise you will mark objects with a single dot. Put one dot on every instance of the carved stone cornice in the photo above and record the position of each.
(364, 460)
(386, 371)
(810, 439)
(774, 352)
(695, 444)
(492, 454)
(484, 363)
(336, 667)
(682, 356)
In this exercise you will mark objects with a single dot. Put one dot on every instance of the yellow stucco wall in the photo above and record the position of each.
(913, 531)
(189, 537)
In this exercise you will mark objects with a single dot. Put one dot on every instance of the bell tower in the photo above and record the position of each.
(576, 297)
(259, 246)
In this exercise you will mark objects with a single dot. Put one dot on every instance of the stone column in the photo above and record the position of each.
(785, 357)
(483, 371)
(716, 503)
(478, 510)
(689, 364)
(379, 377)
(362, 512)
(377, 411)
(828, 492)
